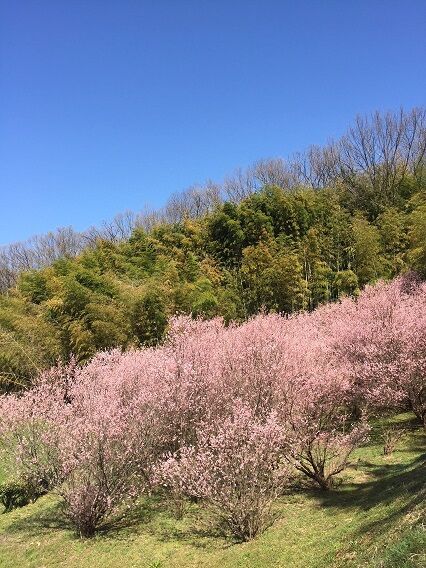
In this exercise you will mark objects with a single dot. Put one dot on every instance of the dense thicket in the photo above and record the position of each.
(226, 415)
(278, 236)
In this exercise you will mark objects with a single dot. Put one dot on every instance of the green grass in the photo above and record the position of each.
(374, 519)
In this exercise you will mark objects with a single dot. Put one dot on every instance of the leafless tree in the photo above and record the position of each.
(317, 167)
(240, 185)
(36, 252)
(378, 150)
(116, 230)
(192, 203)
(381, 148)
(245, 182)
(7, 273)
(276, 172)
(64, 242)
(384, 148)
(148, 219)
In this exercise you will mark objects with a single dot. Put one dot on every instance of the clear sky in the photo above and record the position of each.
(107, 105)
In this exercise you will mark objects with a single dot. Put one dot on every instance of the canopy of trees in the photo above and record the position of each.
(278, 237)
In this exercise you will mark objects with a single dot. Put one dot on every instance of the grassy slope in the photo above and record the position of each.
(373, 520)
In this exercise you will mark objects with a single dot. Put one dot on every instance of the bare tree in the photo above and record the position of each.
(192, 203)
(276, 172)
(379, 150)
(245, 182)
(240, 185)
(317, 167)
(384, 148)
(36, 252)
(116, 230)
(64, 242)
(148, 219)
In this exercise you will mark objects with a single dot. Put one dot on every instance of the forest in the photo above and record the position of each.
(280, 236)
(230, 380)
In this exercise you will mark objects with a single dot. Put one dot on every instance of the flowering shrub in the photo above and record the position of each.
(29, 437)
(236, 467)
(111, 436)
(391, 436)
(94, 447)
(382, 340)
(223, 414)
(323, 454)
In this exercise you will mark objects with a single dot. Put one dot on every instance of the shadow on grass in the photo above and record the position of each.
(399, 489)
(407, 422)
(150, 516)
(153, 516)
(395, 489)
(41, 521)
(51, 517)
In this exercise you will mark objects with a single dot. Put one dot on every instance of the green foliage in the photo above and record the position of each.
(225, 235)
(204, 301)
(276, 250)
(285, 281)
(148, 318)
(346, 283)
(367, 258)
(418, 239)
(34, 286)
(320, 283)
(14, 494)
(28, 342)
(408, 551)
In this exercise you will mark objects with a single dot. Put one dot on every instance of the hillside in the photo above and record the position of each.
(284, 433)
(212, 284)
(276, 237)
(373, 521)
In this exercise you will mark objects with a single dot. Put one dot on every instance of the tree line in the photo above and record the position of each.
(280, 236)
(377, 151)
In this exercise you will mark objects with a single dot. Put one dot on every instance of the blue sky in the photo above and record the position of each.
(107, 105)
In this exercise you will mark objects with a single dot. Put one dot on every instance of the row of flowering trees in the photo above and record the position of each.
(223, 415)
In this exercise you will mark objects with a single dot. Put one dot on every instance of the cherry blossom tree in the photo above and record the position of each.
(225, 414)
(236, 468)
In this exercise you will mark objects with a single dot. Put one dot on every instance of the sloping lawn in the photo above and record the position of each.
(376, 518)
